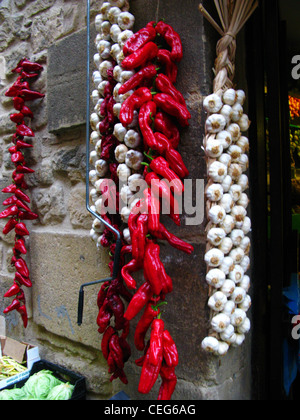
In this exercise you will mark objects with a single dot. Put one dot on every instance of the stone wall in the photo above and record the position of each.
(62, 256)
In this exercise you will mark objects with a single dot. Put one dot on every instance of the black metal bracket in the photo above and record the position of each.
(108, 225)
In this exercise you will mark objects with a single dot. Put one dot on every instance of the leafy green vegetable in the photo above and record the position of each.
(40, 384)
(15, 394)
(61, 392)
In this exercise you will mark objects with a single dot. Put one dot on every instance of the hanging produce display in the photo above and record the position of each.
(226, 147)
(136, 132)
(294, 105)
(18, 210)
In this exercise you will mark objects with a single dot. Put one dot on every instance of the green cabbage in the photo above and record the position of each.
(15, 394)
(61, 392)
(40, 384)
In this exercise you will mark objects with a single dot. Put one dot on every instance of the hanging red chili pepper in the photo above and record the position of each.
(18, 210)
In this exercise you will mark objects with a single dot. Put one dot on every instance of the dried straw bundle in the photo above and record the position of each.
(233, 16)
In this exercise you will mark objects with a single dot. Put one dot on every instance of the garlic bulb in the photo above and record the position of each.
(245, 283)
(126, 236)
(210, 344)
(227, 202)
(215, 123)
(227, 265)
(215, 236)
(238, 295)
(246, 227)
(120, 132)
(217, 214)
(245, 245)
(225, 158)
(132, 139)
(244, 123)
(126, 20)
(214, 148)
(237, 274)
(134, 159)
(215, 278)
(235, 130)
(235, 152)
(212, 103)
(230, 97)
(228, 223)
(136, 182)
(123, 172)
(237, 112)
(228, 288)
(243, 200)
(238, 317)
(226, 183)
(237, 254)
(226, 112)
(239, 213)
(235, 171)
(245, 327)
(217, 301)
(120, 153)
(243, 143)
(214, 192)
(227, 333)
(222, 349)
(220, 322)
(235, 192)
(217, 171)
(214, 257)
(229, 309)
(101, 167)
(246, 304)
(241, 97)
(237, 236)
(226, 139)
(226, 245)
(240, 338)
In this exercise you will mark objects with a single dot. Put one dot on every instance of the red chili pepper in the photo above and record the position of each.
(20, 246)
(140, 57)
(13, 291)
(172, 107)
(23, 280)
(170, 204)
(102, 294)
(145, 74)
(149, 374)
(156, 341)
(164, 124)
(26, 75)
(21, 195)
(105, 341)
(10, 225)
(138, 40)
(23, 311)
(169, 382)
(31, 67)
(23, 145)
(161, 167)
(10, 189)
(104, 317)
(21, 229)
(30, 95)
(172, 38)
(171, 70)
(22, 268)
(147, 112)
(24, 170)
(16, 88)
(170, 351)
(117, 307)
(13, 149)
(164, 85)
(173, 240)
(18, 103)
(153, 206)
(116, 351)
(23, 130)
(139, 300)
(119, 373)
(172, 156)
(135, 101)
(16, 201)
(12, 307)
(138, 238)
(154, 270)
(17, 118)
(17, 157)
(10, 211)
(132, 267)
(144, 324)
(27, 112)
(27, 215)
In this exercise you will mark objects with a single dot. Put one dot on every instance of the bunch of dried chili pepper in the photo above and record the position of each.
(162, 111)
(17, 205)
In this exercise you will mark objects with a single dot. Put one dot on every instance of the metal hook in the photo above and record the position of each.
(108, 225)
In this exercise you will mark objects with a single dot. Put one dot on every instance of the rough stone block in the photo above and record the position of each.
(60, 264)
(67, 83)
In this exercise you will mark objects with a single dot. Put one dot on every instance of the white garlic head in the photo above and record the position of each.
(215, 278)
(212, 103)
(214, 257)
(210, 344)
(213, 148)
(228, 288)
(236, 274)
(215, 123)
(220, 322)
(216, 214)
(214, 192)
(226, 245)
(215, 236)
(217, 301)
(217, 171)
(226, 138)
(229, 97)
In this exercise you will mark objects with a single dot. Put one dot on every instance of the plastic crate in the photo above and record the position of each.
(63, 375)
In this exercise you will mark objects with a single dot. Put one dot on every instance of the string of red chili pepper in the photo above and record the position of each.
(17, 210)
(161, 113)
(111, 322)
